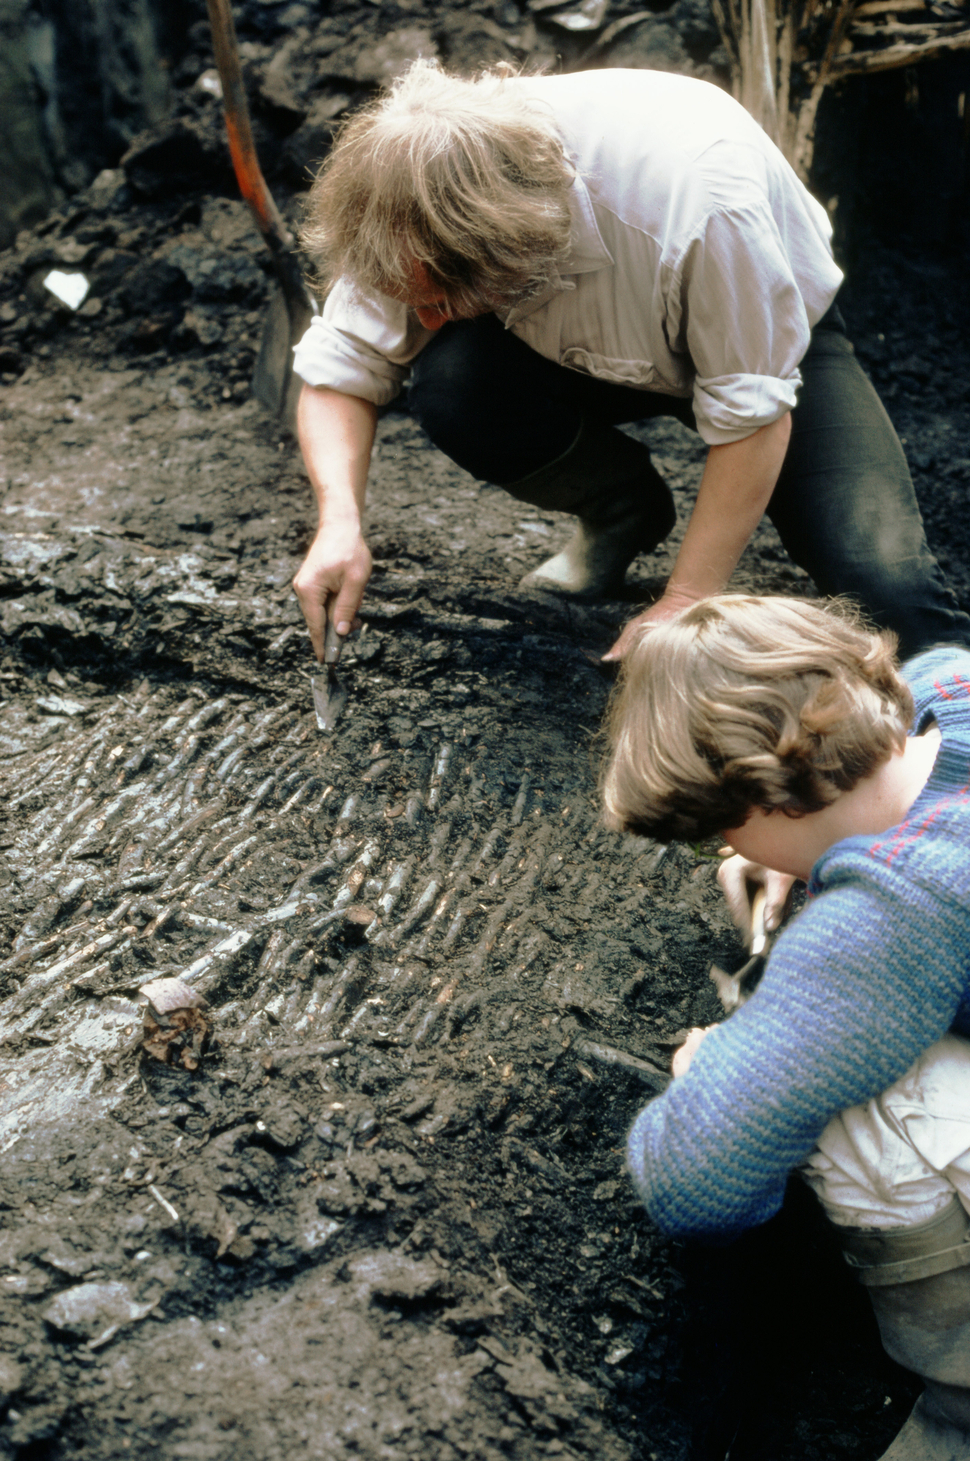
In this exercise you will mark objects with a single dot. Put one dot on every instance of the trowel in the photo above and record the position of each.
(329, 690)
(733, 990)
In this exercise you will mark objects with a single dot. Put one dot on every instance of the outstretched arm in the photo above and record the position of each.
(336, 436)
(735, 489)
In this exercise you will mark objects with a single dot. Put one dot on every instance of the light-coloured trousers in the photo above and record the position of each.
(900, 1158)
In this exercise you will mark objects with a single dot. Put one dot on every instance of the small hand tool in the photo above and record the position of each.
(734, 989)
(329, 691)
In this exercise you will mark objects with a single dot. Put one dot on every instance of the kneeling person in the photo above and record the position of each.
(788, 729)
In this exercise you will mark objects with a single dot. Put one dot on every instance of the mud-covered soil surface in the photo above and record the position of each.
(372, 1202)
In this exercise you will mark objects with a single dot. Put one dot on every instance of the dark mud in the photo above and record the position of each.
(386, 1215)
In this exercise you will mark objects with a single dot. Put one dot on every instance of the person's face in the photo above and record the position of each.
(429, 302)
(775, 841)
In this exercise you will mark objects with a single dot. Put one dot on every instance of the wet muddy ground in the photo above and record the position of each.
(373, 1206)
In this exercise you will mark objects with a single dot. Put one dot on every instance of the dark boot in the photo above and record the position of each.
(623, 505)
(919, 1283)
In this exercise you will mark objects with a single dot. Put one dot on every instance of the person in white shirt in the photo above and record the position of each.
(551, 256)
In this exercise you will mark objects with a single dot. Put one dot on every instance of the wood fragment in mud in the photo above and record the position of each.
(308, 787)
(413, 809)
(209, 711)
(318, 871)
(493, 927)
(431, 1015)
(322, 1050)
(44, 978)
(163, 1203)
(424, 903)
(437, 842)
(41, 773)
(387, 901)
(314, 1004)
(456, 926)
(346, 815)
(221, 868)
(35, 952)
(518, 806)
(137, 883)
(269, 955)
(53, 838)
(438, 775)
(184, 918)
(175, 719)
(137, 760)
(352, 883)
(175, 877)
(512, 854)
(258, 797)
(487, 851)
(218, 849)
(651, 1075)
(183, 757)
(534, 861)
(184, 829)
(420, 949)
(460, 858)
(369, 1006)
(339, 990)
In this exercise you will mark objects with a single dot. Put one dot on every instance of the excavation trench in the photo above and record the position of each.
(378, 1208)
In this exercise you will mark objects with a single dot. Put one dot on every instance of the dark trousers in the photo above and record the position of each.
(844, 505)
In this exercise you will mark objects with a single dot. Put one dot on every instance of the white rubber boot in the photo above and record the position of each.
(623, 505)
(919, 1283)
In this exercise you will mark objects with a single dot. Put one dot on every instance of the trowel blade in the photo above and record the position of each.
(329, 698)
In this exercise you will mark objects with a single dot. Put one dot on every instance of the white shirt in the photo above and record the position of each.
(698, 261)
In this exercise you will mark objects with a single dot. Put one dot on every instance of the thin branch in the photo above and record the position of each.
(836, 36)
(858, 63)
(891, 7)
(933, 32)
(728, 38)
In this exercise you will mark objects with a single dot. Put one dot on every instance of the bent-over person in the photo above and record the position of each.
(789, 731)
(543, 258)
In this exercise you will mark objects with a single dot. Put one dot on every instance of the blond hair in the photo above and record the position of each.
(465, 177)
(740, 703)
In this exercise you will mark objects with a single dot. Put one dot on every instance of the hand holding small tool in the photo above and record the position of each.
(739, 878)
(751, 891)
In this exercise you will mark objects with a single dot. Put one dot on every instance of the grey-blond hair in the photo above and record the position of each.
(738, 703)
(466, 177)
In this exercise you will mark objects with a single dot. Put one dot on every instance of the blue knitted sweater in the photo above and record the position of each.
(873, 970)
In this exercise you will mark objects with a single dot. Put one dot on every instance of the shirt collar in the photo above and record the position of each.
(587, 252)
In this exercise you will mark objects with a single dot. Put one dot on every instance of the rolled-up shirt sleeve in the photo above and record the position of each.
(361, 345)
(740, 315)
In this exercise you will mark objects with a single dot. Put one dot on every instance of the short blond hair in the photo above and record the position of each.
(466, 177)
(738, 703)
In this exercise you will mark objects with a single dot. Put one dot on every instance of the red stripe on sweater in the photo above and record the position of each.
(903, 836)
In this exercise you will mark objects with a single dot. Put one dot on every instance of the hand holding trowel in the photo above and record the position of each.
(734, 989)
(329, 690)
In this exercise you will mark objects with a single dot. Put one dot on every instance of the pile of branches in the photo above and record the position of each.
(784, 53)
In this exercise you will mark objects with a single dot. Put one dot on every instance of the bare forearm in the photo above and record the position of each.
(336, 437)
(735, 489)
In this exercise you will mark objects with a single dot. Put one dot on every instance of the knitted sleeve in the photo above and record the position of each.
(869, 975)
